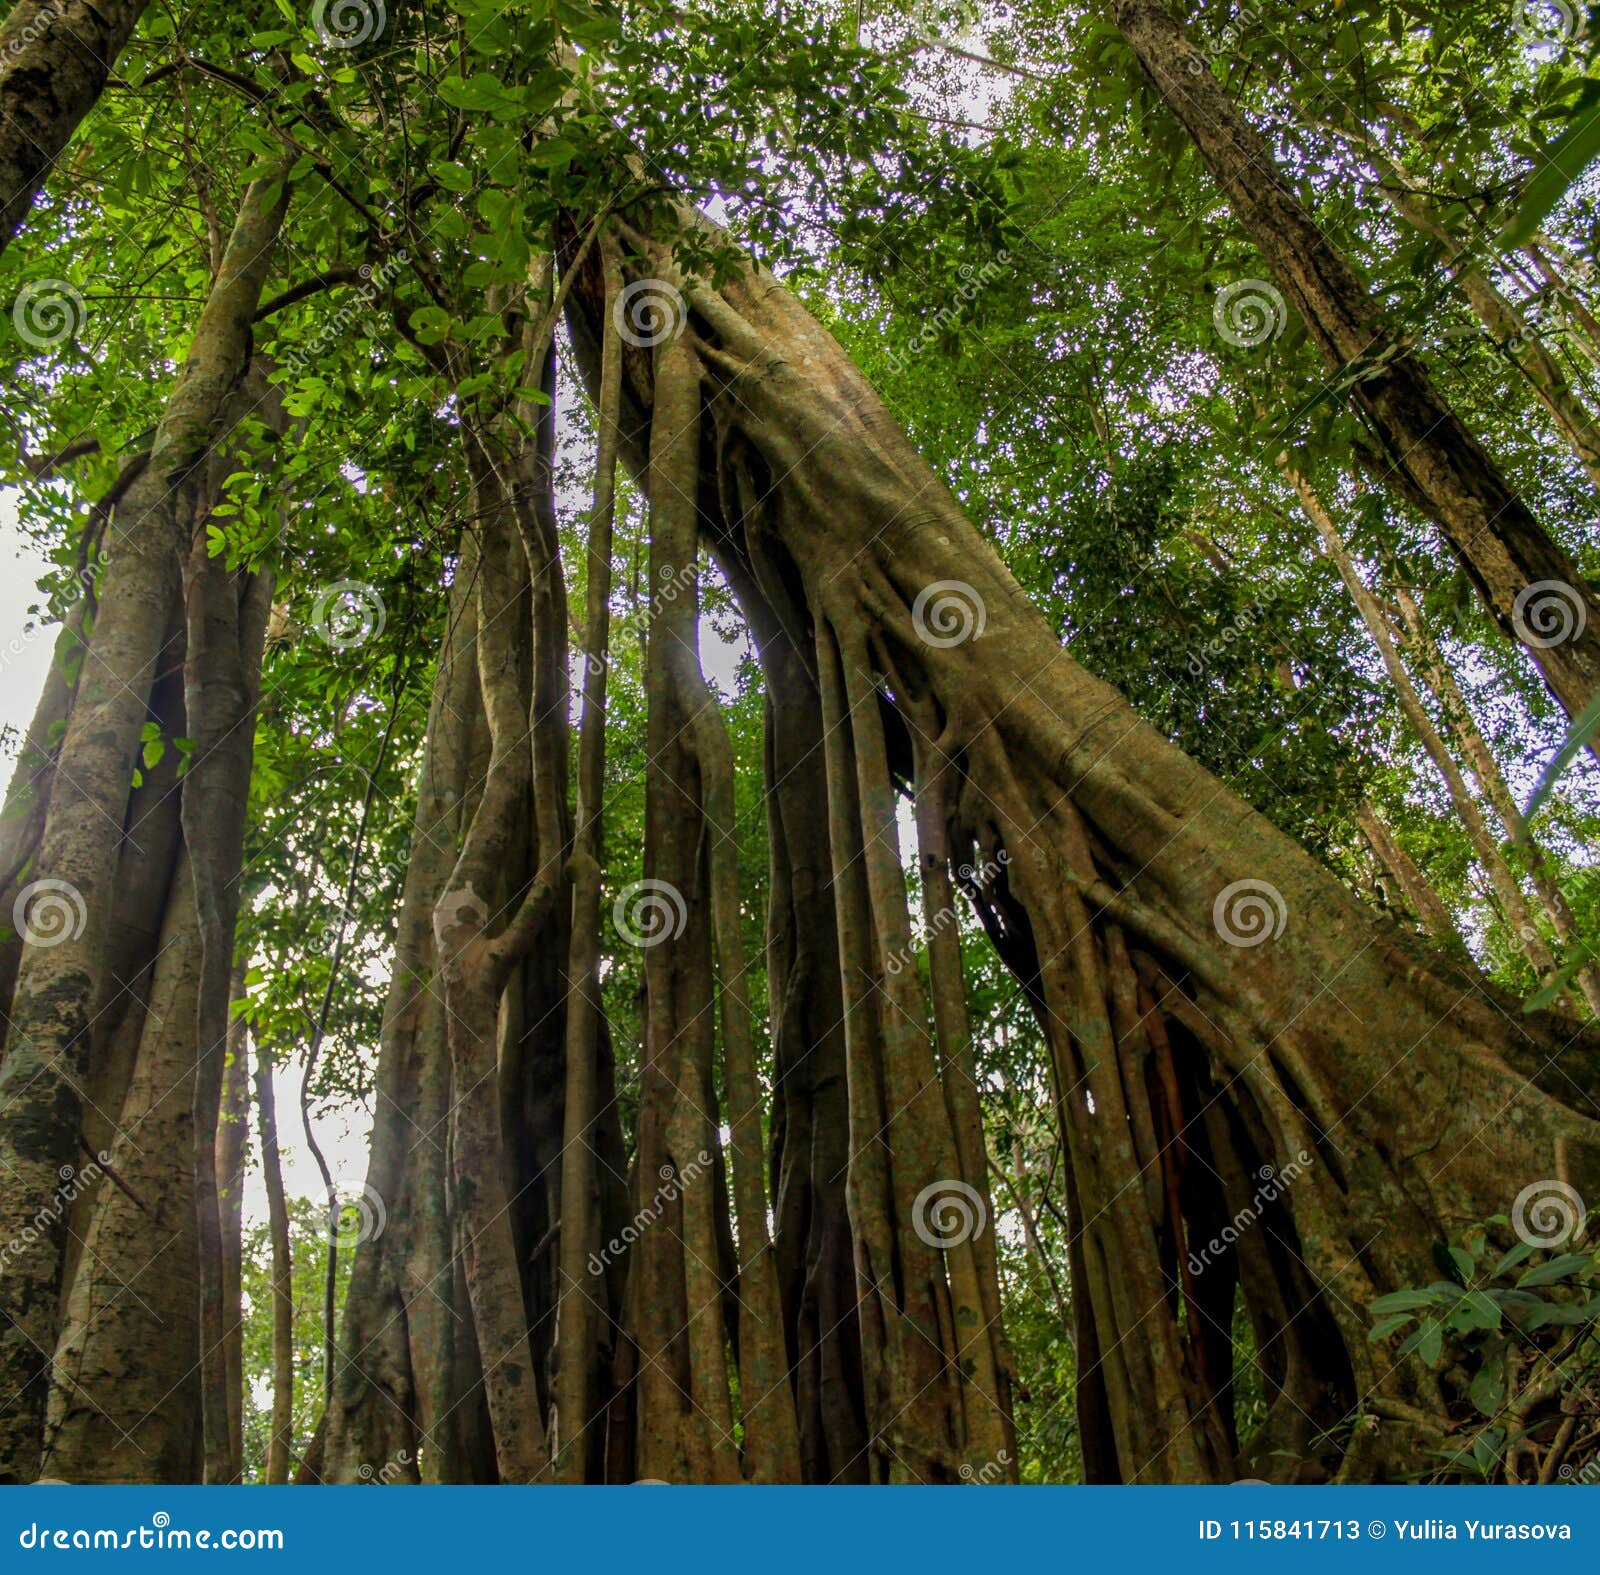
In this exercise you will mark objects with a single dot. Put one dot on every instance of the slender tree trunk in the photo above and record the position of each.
(1425, 453)
(233, 1136)
(1491, 781)
(56, 57)
(1414, 885)
(579, 1444)
(280, 1434)
(1508, 894)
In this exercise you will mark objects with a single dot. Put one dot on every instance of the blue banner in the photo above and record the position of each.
(820, 1531)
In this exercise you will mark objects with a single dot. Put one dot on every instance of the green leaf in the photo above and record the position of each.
(1402, 1301)
(1583, 728)
(1561, 1268)
(1559, 165)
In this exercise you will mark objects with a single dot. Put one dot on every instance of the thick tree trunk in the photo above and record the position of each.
(1153, 921)
(1426, 453)
(138, 1350)
(56, 57)
(61, 972)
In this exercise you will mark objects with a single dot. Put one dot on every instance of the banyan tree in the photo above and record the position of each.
(750, 1232)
